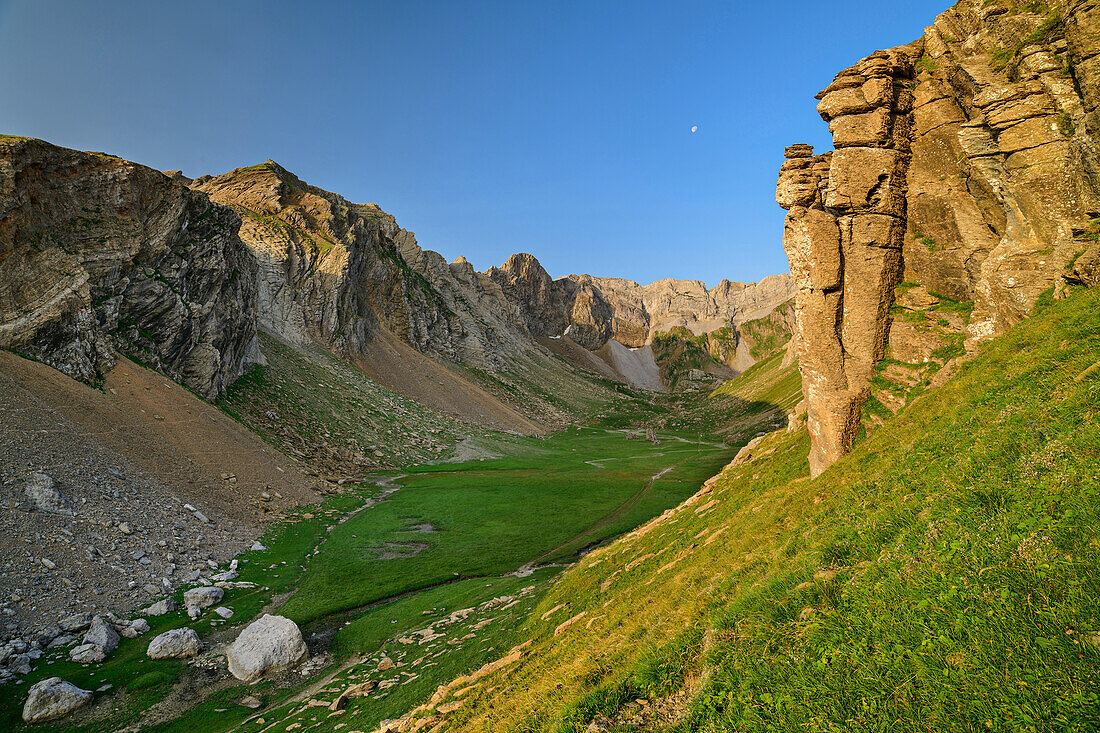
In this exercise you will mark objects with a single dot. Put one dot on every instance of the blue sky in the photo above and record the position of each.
(557, 128)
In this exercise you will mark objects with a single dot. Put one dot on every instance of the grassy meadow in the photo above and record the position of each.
(943, 576)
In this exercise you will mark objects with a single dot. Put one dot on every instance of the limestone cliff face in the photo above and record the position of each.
(334, 273)
(595, 310)
(99, 255)
(964, 182)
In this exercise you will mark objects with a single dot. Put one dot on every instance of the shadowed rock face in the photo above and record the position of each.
(967, 165)
(99, 255)
(333, 272)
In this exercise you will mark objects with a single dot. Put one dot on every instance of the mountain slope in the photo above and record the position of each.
(950, 558)
(100, 256)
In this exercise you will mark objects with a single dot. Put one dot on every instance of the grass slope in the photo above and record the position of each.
(319, 408)
(369, 576)
(944, 576)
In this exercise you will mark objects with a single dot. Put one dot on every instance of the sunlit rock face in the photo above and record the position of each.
(967, 166)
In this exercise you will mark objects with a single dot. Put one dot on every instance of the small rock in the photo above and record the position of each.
(20, 664)
(224, 612)
(41, 491)
(76, 622)
(102, 635)
(49, 563)
(251, 702)
(48, 634)
(88, 654)
(161, 607)
(385, 663)
(53, 698)
(198, 599)
(135, 628)
(124, 528)
(257, 547)
(63, 640)
(175, 644)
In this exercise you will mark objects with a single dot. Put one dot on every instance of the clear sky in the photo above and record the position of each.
(557, 128)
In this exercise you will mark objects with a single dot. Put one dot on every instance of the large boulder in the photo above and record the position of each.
(267, 645)
(175, 644)
(41, 491)
(53, 698)
(102, 635)
(198, 599)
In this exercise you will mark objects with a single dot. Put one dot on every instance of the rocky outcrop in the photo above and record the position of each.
(843, 236)
(335, 273)
(100, 256)
(965, 181)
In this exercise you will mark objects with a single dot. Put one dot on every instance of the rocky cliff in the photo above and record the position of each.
(336, 272)
(346, 276)
(100, 256)
(964, 182)
(595, 310)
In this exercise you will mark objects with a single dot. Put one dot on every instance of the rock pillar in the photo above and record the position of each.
(843, 236)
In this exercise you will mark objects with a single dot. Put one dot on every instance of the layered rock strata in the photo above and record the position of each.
(970, 185)
(843, 237)
(334, 272)
(595, 310)
(100, 256)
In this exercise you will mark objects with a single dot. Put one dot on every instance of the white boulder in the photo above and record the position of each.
(161, 607)
(175, 644)
(268, 644)
(53, 698)
(135, 628)
(203, 597)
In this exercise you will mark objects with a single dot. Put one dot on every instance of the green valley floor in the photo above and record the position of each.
(404, 581)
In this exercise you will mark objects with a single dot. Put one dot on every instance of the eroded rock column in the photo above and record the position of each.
(843, 235)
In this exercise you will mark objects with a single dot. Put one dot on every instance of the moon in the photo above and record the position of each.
(695, 128)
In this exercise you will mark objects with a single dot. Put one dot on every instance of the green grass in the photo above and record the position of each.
(493, 516)
(540, 502)
(679, 351)
(327, 412)
(771, 333)
(943, 576)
